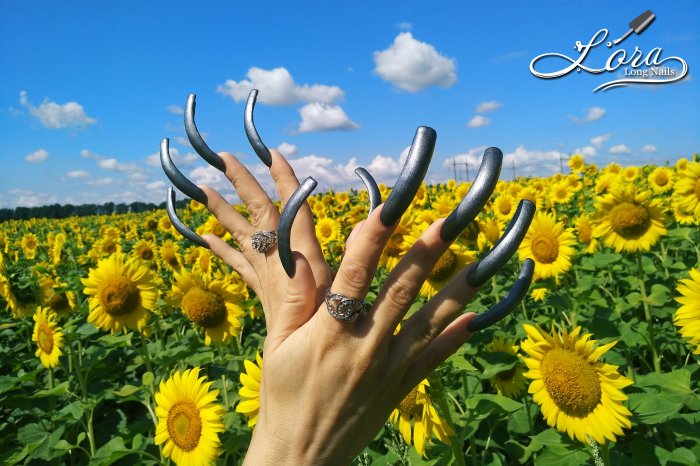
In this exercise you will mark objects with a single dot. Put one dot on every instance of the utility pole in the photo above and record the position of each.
(466, 164)
(513, 160)
(454, 167)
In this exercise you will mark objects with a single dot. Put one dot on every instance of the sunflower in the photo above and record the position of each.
(550, 244)
(189, 419)
(29, 245)
(687, 317)
(57, 247)
(122, 294)
(629, 220)
(427, 423)
(606, 182)
(489, 232)
(585, 233)
(576, 163)
(18, 287)
(630, 173)
(209, 303)
(661, 180)
(560, 193)
(55, 296)
(687, 189)
(48, 337)
(681, 215)
(578, 394)
(145, 250)
(250, 390)
(538, 294)
(504, 206)
(213, 227)
(510, 383)
(327, 230)
(169, 254)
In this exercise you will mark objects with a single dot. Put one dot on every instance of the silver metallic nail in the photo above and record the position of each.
(177, 223)
(196, 139)
(253, 137)
(176, 176)
(284, 229)
(375, 198)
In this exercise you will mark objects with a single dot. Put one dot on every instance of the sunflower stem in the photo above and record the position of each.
(50, 378)
(146, 356)
(606, 453)
(224, 389)
(91, 432)
(455, 443)
(647, 314)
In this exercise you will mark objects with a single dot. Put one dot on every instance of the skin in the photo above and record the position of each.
(328, 386)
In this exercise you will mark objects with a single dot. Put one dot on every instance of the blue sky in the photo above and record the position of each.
(88, 89)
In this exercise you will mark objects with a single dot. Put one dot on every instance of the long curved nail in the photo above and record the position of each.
(505, 247)
(284, 229)
(411, 177)
(196, 139)
(375, 198)
(177, 223)
(176, 176)
(476, 197)
(507, 304)
(253, 137)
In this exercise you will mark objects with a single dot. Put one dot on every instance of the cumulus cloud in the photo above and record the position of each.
(620, 149)
(176, 109)
(105, 181)
(648, 148)
(478, 121)
(156, 185)
(412, 65)
(277, 87)
(489, 106)
(78, 174)
(55, 116)
(526, 162)
(587, 151)
(179, 160)
(28, 198)
(403, 26)
(598, 141)
(37, 156)
(317, 116)
(592, 114)
(287, 149)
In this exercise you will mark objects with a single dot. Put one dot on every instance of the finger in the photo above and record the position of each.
(444, 345)
(229, 217)
(354, 234)
(235, 259)
(425, 325)
(303, 229)
(263, 213)
(405, 281)
(297, 307)
(359, 264)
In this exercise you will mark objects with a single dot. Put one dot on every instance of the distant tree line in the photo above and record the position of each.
(83, 210)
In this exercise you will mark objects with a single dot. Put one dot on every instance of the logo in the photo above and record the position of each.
(636, 67)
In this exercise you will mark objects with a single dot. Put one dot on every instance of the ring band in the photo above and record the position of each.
(343, 308)
(263, 241)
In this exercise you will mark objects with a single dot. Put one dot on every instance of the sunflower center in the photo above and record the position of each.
(31, 243)
(661, 179)
(151, 224)
(504, 207)
(204, 307)
(184, 425)
(120, 296)
(506, 375)
(444, 266)
(219, 231)
(45, 340)
(629, 220)
(545, 247)
(146, 254)
(59, 302)
(326, 230)
(471, 232)
(410, 404)
(571, 382)
(561, 193)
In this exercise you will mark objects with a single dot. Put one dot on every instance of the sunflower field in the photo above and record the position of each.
(122, 343)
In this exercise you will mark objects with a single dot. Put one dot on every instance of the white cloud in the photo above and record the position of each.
(592, 114)
(287, 149)
(489, 106)
(403, 26)
(179, 160)
(177, 110)
(648, 148)
(55, 116)
(156, 185)
(78, 174)
(277, 87)
(598, 141)
(411, 65)
(37, 156)
(620, 149)
(587, 151)
(527, 162)
(106, 181)
(478, 120)
(87, 154)
(317, 116)
(28, 198)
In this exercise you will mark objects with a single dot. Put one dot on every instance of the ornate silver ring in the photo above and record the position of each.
(263, 241)
(344, 308)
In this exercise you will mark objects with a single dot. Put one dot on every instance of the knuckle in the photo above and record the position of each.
(355, 273)
(424, 330)
(400, 293)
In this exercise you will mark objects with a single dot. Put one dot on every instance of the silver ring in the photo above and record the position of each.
(344, 308)
(264, 240)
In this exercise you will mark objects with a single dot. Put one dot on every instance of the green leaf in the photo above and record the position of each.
(60, 389)
(147, 379)
(110, 452)
(459, 362)
(127, 390)
(675, 457)
(483, 405)
(495, 363)
(659, 295)
(650, 408)
(634, 298)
